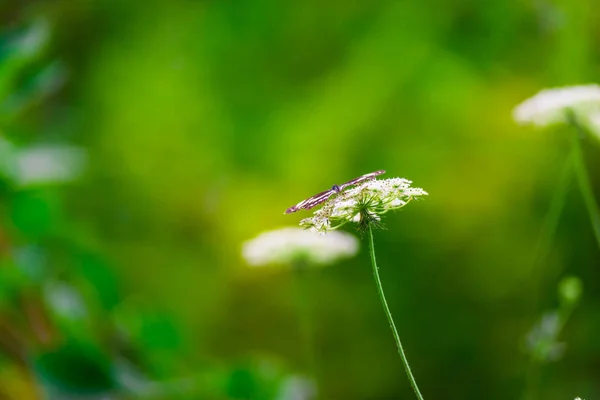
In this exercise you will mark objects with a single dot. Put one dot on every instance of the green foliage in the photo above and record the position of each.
(75, 368)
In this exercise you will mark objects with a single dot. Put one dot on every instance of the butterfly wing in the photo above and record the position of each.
(323, 196)
(311, 201)
(362, 178)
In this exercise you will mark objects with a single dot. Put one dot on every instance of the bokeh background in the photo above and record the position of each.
(188, 127)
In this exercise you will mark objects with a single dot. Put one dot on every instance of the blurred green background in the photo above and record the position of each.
(202, 121)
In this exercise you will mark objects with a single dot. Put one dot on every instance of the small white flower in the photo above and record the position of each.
(399, 183)
(40, 164)
(396, 203)
(344, 208)
(33, 39)
(375, 185)
(412, 192)
(541, 341)
(288, 245)
(48, 164)
(593, 122)
(297, 388)
(550, 106)
(65, 301)
(363, 204)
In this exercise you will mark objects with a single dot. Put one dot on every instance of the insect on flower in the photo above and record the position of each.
(323, 196)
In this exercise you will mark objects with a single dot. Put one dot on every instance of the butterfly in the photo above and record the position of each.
(323, 196)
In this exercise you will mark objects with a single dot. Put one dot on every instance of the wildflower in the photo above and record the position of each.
(297, 388)
(289, 245)
(363, 204)
(48, 164)
(541, 341)
(65, 301)
(593, 122)
(552, 106)
(578, 107)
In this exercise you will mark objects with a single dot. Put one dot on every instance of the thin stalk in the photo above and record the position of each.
(583, 179)
(554, 213)
(535, 364)
(542, 248)
(388, 314)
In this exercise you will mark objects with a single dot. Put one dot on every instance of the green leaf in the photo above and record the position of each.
(34, 213)
(75, 368)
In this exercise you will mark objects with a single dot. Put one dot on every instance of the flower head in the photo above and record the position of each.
(49, 164)
(40, 164)
(289, 245)
(363, 204)
(542, 341)
(297, 388)
(551, 106)
(593, 122)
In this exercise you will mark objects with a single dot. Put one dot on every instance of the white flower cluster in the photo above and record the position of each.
(297, 388)
(550, 106)
(65, 301)
(363, 204)
(41, 164)
(49, 164)
(542, 341)
(593, 120)
(289, 245)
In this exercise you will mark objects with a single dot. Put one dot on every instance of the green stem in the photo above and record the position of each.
(388, 314)
(549, 226)
(552, 217)
(583, 180)
(535, 364)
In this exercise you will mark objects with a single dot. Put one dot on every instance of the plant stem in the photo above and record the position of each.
(542, 248)
(583, 179)
(549, 226)
(554, 213)
(388, 314)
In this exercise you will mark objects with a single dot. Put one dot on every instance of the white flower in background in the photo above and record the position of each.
(550, 106)
(33, 39)
(363, 204)
(48, 164)
(40, 164)
(289, 245)
(297, 388)
(65, 301)
(541, 341)
(593, 122)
